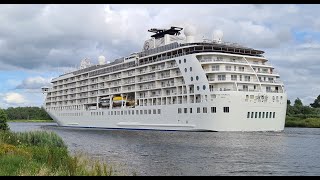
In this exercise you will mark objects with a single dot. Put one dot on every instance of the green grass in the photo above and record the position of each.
(44, 154)
(302, 122)
(31, 120)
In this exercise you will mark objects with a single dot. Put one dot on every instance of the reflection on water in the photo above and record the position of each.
(292, 152)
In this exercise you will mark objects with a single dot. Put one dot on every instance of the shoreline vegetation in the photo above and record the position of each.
(42, 153)
(32, 121)
(302, 122)
(299, 115)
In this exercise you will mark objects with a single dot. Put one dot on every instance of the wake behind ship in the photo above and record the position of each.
(175, 83)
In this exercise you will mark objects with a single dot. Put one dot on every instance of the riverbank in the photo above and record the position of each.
(32, 120)
(42, 153)
(302, 122)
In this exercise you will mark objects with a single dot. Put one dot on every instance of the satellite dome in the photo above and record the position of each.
(189, 30)
(217, 35)
(102, 60)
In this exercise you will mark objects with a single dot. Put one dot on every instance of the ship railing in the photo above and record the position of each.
(224, 69)
(272, 81)
(172, 66)
(232, 80)
(232, 61)
(155, 95)
(274, 91)
(268, 72)
(162, 77)
(249, 90)
(221, 89)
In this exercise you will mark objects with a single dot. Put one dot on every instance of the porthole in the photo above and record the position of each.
(198, 88)
(204, 87)
(191, 78)
(185, 70)
(190, 69)
(185, 60)
(197, 78)
(179, 61)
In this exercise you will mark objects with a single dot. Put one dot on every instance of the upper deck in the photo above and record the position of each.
(169, 51)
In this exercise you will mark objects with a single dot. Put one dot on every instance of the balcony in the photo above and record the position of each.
(214, 59)
(226, 70)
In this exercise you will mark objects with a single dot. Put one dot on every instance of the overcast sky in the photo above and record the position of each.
(38, 42)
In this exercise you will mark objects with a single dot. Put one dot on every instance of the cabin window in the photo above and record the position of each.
(205, 110)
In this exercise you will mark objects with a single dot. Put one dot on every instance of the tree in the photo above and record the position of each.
(3, 120)
(298, 103)
(316, 103)
(288, 102)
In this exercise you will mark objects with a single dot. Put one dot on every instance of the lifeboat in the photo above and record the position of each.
(118, 100)
(105, 101)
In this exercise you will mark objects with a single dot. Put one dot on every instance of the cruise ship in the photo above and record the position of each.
(175, 83)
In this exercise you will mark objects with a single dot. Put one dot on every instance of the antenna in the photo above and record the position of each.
(217, 36)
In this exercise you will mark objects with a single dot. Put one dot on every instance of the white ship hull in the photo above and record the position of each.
(169, 119)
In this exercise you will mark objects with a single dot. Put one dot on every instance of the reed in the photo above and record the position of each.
(43, 153)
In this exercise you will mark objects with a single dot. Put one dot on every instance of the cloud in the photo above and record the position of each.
(14, 98)
(34, 83)
(38, 36)
(48, 38)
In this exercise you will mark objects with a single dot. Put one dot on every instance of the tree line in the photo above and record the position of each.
(303, 111)
(26, 113)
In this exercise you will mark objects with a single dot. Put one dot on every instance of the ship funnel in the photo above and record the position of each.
(217, 36)
(190, 32)
(102, 60)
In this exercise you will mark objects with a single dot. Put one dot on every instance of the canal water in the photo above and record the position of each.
(296, 151)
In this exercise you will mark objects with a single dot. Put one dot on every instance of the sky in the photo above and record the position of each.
(39, 42)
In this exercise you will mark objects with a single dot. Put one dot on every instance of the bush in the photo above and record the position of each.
(3, 120)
